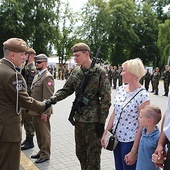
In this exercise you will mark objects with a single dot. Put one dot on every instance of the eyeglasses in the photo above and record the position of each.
(39, 62)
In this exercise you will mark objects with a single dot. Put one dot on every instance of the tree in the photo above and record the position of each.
(40, 20)
(93, 29)
(122, 36)
(158, 7)
(31, 20)
(164, 41)
(147, 29)
(65, 39)
(11, 21)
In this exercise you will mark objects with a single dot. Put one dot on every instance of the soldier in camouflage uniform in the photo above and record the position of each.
(156, 78)
(147, 79)
(166, 79)
(120, 76)
(115, 75)
(110, 75)
(89, 125)
(28, 73)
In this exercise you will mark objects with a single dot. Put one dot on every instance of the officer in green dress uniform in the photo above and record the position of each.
(166, 79)
(155, 79)
(13, 97)
(42, 88)
(115, 75)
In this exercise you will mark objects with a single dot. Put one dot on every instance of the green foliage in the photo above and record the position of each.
(65, 27)
(164, 40)
(31, 20)
(122, 36)
(93, 29)
(125, 29)
(147, 30)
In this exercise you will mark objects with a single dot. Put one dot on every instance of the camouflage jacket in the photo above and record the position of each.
(29, 73)
(97, 88)
(115, 74)
(166, 75)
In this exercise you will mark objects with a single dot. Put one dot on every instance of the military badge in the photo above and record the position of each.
(49, 83)
(19, 87)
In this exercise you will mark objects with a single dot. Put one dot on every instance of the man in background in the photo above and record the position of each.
(115, 75)
(166, 79)
(42, 89)
(156, 78)
(147, 78)
(28, 72)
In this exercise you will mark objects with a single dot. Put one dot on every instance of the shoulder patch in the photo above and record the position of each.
(49, 83)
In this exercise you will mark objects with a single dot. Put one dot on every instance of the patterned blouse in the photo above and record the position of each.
(128, 124)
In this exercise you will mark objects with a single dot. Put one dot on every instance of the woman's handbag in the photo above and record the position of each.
(111, 140)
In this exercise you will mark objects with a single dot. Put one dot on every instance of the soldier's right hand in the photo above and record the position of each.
(50, 101)
(47, 104)
(53, 99)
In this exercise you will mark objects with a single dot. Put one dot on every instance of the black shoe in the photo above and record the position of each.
(35, 156)
(156, 94)
(40, 160)
(23, 142)
(165, 95)
(27, 146)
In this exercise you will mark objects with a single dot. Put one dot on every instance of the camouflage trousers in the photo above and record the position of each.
(27, 122)
(166, 86)
(88, 146)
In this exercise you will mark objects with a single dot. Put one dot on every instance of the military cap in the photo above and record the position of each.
(16, 45)
(30, 51)
(80, 47)
(41, 57)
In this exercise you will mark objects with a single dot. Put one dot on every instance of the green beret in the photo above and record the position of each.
(16, 45)
(80, 47)
(30, 51)
(41, 57)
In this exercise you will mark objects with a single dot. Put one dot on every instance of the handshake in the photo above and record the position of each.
(50, 101)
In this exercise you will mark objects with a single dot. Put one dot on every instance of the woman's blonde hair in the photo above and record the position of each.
(135, 67)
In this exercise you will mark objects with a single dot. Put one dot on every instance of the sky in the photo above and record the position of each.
(76, 4)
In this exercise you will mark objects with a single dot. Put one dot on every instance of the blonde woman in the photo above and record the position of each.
(128, 130)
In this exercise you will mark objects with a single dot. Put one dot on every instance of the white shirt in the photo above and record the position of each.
(128, 124)
(166, 127)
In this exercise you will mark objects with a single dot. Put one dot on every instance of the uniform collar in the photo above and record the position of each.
(42, 71)
(9, 61)
(150, 134)
(91, 70)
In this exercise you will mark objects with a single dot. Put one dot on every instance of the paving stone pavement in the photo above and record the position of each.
(62, 138)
